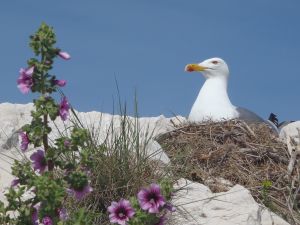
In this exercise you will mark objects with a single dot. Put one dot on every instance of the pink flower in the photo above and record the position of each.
(80, 193)
(67, 143)
(162, 220)
(170, 207)
(15, 182)
(25, 81)
(48, 62)
(120, 212)
(47, 220)
(34, 216)
(151, 199)
(63, 214)
(64, 109)
(60, 83)
(39, 161)
(24, 141)
(64, 55)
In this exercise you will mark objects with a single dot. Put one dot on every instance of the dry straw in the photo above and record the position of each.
(233, 152)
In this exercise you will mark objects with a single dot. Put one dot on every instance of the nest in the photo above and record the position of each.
(232, 152)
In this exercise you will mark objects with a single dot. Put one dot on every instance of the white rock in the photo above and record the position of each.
(233, 207)
(198, 205)
(14, 116)
(292, 130)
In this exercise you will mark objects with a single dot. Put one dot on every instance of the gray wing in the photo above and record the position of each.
(249, 116)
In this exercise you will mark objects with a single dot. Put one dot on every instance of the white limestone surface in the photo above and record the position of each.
(14, 116)
(291, 130)
(196, 205)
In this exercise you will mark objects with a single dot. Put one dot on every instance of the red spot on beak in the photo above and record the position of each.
(189, 68)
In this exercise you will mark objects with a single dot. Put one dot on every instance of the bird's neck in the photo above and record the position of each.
(213, 101)
(214, 91)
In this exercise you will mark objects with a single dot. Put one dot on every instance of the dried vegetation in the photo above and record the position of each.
(233, 152)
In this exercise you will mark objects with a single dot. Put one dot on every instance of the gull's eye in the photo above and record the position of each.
(214, 62)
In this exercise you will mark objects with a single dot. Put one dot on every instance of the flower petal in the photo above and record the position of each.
(29, 71)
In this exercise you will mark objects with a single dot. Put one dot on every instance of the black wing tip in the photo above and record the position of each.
(273, 118)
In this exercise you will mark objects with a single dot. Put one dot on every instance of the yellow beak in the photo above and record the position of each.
(194, 67)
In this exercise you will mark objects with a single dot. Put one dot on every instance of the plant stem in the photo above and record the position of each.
(45, 136)
(45, 118)
(45, 142)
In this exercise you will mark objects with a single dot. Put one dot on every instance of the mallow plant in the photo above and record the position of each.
(149, 207)
(44, 181)
(72, 180)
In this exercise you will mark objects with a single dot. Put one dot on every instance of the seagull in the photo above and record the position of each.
(213, 103)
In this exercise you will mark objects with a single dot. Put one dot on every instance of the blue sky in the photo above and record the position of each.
(145, 45)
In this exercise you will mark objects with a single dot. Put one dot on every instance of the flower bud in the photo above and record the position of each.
(64, 55)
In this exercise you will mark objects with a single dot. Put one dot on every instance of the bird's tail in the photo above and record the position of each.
(273, 118)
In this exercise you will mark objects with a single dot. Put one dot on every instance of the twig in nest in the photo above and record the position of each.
(249, 129)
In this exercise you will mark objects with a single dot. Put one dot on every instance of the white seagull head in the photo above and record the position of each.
(210, 68)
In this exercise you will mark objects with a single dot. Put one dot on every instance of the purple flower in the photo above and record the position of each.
(162, 220)
(24, 141)
(14, 182)
(25, 81)
(120, 212)
(39, 161)
(80, 193)
(48, 62)
(63, 214)
(170, 207)
(67, 143)
(64, 55)
(64, 109)
(151, 199)
(34, 216)
(47, 220)
(60, 83)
